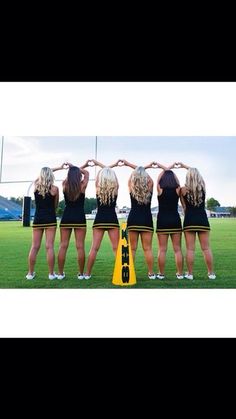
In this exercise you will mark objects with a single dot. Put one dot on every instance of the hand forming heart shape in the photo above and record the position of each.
(177, 166)
(91, 163)
(121, 163)
(154, 165)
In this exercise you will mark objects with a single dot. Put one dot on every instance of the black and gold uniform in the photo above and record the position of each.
(106, 217)
(45, 213)
(74, 215)
(168, 218)
(140, 216)
(195, 217)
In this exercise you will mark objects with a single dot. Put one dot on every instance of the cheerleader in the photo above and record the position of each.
(139, 222)
(46, 201)
(196, 223)
(73, 218)
(168, 220)
(106, 219)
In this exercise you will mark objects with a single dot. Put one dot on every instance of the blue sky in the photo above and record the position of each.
(213, 156)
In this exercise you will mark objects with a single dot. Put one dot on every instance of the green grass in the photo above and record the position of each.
(15, 242)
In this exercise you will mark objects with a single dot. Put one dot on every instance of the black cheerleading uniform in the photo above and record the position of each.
(140, 216)
(106, 217)
(195, 217)
(45, 213)
(168, 218)
(74, 215)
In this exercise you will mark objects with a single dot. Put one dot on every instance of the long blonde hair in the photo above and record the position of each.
(107, 185)
(45, 181)
(195, 187)
(139, 185)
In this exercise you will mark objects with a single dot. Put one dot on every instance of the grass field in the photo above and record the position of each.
(15, 242)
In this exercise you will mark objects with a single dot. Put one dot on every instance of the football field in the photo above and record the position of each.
(15, 242)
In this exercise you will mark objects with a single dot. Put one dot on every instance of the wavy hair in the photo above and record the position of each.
(107, 185)
(196, 188)
(72, 184)
(45, 181)
(139, 185)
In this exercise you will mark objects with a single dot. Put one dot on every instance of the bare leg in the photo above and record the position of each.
(36, 243)
(190, 238)
(50, 234)
(80, 234)
(114, 235)
(204, 242)
(176, 243)
(163, 241)
(98, 234)
(133, 237)
(146, 239)
(65, 239)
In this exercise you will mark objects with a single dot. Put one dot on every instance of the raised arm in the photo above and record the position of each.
(128, 164)
(181, 165)
(97, 163)
(155, 165)
(117, 164)
(85, 180)
(62, 167)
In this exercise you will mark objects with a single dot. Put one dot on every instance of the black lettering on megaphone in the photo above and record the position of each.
(125, 274)
(125, 255)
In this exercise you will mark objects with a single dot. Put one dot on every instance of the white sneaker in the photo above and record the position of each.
(61, 276)
(188, 276)
(80, 276)
(151, 276)
(30, 276)
(87, 276)
(52, 276)
(160, 276)
(212, 276)
(179, 276)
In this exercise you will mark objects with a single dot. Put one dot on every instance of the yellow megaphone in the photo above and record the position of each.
(124, 272)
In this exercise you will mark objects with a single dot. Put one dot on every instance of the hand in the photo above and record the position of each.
(120, 162)
(180, 165)
(66, 165)
(90, 163)
(125, 162)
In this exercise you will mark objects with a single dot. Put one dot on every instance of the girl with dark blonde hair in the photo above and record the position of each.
(193, 196)
(106, 219)
(46, 201)
(140, 222)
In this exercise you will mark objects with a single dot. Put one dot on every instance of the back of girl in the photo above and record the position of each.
(106, 219)
(46, 201)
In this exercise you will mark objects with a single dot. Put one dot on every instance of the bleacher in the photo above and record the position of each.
(9, 210)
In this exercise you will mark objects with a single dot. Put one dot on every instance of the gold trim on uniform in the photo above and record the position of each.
(140, 228)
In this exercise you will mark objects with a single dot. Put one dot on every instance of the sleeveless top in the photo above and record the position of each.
(140, 216)
(195, 216)
(168, 218)
(45, 213)
(74, 215)
(106, 217)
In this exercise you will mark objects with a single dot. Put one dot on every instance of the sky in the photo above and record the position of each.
(214, 157)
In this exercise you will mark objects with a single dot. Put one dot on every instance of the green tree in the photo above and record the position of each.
(212, 204)
(89, 205)
(60, 208)
(232, 211)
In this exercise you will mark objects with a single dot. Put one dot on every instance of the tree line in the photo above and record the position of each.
(91, 203)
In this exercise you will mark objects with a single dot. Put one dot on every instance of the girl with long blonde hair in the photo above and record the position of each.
(139, 222)
(106, 219)
(193, 196)
(46, 201)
